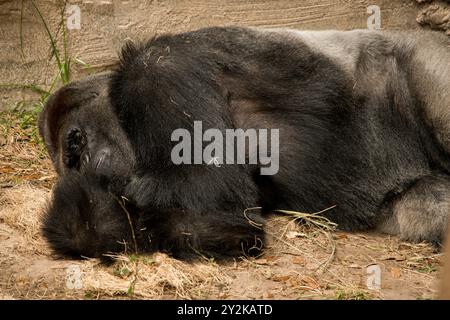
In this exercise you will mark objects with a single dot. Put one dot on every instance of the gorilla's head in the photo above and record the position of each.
(81, 131)
(85, 218)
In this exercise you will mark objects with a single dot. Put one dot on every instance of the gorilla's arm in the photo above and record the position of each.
(216, 234)
(85, 218)
(197, 212)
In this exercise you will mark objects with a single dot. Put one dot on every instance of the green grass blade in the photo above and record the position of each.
(50, 36)
(21, 29)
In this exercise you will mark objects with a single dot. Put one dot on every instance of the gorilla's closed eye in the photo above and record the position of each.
(74, 146)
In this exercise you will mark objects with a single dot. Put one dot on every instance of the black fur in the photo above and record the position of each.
(86, 218)
(354, 139)
(82, 213)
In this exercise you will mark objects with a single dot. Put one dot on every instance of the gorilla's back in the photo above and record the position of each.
(351, 118)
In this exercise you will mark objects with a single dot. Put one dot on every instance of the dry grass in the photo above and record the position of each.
(155, 277)
(292, 267)
(21, 207)
(300, 262)
(22, 156)
(152, 276)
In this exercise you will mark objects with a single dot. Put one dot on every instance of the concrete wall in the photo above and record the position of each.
(105, 24)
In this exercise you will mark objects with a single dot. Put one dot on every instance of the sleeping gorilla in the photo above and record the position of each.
(363, 118)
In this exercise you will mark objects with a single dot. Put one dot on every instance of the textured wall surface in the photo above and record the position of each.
(105, 24)
(435, 14)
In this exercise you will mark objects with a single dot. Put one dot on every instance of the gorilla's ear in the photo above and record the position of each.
(56, 109)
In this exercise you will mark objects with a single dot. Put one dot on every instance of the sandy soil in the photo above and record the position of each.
(299, 262)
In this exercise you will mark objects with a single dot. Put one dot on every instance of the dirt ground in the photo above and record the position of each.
(299, 262)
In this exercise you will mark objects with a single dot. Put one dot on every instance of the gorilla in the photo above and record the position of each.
(363, 119)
